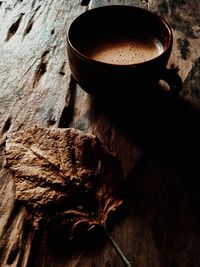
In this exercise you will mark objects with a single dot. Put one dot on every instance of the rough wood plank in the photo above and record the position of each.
(152, 232)
(91, 118)
(184, 20)
(34, 90)
(138, 3)
(184, 58)
(161, 226)
(88, 117)
(34, 70)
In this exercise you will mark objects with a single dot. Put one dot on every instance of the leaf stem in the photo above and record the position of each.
(118, 250)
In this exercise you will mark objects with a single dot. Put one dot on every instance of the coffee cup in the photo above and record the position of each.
(120, 50)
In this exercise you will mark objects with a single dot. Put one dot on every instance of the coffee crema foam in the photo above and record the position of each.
(127, 51)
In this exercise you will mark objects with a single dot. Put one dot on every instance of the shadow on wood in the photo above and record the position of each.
(163, 124)
(163, 189)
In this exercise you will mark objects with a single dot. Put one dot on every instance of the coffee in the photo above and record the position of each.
(125, 51)
(122, 36)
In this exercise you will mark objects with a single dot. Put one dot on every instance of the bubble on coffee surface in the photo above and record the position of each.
(126, 52)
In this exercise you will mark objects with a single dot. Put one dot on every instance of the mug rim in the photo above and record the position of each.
(139, 9)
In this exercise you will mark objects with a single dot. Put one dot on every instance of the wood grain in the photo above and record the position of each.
(89, 117)
(161, 224)
(34, 70)
(34, 90)
(152, 232)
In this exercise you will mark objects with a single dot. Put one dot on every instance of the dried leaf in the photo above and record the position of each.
(64, 177)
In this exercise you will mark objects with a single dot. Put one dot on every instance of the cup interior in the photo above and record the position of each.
(112, 22)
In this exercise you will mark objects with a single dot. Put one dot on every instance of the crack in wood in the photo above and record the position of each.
(51, 117)
(18, 1)
(62, 69)
(9, 252)
(37, 245)
(7, 125)
(36, 10)
(31, 21)
(33, 4)
(13, 253)
(28, 27)
(52, 31)
(68, 111)
(85, 2)
(14, 27)
(44, 54)
(14, 213)
(41, 68)
(29, 68)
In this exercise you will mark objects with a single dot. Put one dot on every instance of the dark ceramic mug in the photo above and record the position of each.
(95, 33)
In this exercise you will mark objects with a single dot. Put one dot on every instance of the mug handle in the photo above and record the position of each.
(172, 79)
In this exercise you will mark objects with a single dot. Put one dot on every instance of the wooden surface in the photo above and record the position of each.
(161, 226)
